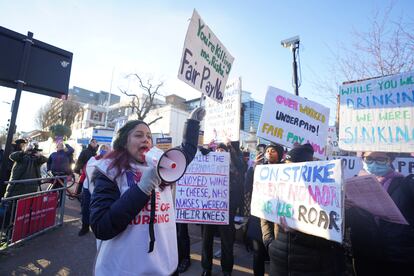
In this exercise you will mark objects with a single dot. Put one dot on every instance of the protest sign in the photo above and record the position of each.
(332, 141)
(288, 119)
(164, 143)
(222, 120)
(367, 193)
(377, 114)
(351, 165)
(404, 165)
(205, 63)
(202, 194)
(34, 214)
(308, 195)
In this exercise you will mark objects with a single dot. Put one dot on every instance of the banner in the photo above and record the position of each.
(202, 194)
(288, 119)
(222, 120)
(308, 195)
(378, 114)
(205, 64)
(34, 214)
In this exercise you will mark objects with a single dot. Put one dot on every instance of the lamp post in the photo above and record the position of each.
(293, 44)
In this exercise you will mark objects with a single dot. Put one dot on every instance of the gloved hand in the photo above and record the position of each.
(149, 180)
(198, 114)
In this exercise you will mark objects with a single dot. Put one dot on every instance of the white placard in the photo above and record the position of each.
(378, 114)
(404, 165)
(222, 120)
(308, 195)
(288, 119)
(351, 165)
(205, 63)
(202, 194)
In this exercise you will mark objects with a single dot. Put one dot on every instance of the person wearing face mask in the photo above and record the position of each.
(380, 247)
(132, 211)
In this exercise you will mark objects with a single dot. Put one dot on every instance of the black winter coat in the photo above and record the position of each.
(296, 253)
(83, 158)
(381, 240)
(26, 166)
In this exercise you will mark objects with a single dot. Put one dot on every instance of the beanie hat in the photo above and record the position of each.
(121, 139)
(300, 153)
(277, 148)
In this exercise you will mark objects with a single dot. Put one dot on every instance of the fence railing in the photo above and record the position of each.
(25, 216)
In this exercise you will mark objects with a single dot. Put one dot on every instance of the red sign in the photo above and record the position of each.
(34, 214)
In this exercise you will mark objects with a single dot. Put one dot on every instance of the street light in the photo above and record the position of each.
(293, 44)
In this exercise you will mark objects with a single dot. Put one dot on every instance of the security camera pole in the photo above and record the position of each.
(293, 43)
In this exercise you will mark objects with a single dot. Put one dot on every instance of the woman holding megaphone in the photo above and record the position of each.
(132, 209)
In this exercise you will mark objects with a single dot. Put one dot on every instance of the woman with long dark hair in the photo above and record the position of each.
(132, 211)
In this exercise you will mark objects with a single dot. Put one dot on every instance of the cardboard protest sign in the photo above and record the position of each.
(205, 64)
(202, 194)
(222, 120)
(404, 165)
(351, 165)
(367, 193)
(377, 114)
(308, 195)
(288, 119)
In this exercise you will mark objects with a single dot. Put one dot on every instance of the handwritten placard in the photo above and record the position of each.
(202, 194)
(288, 119)
(332, 141)
(222, 121)
(308, 195)
(378, 114)
(404, 165)
(205, 63)
(351, 165)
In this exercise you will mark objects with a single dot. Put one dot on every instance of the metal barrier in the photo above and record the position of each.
(25, 216)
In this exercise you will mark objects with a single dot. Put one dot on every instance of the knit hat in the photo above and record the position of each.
(121, 139)
(278, 148)
(300, 153)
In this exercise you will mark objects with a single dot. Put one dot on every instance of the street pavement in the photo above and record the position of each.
(62, 252)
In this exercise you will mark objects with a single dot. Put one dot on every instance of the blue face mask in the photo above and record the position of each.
(102, 152)
(376, 169)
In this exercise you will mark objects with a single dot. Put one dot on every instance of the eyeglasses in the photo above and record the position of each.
(378, 160)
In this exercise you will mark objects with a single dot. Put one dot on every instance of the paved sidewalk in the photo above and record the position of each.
(62, 252)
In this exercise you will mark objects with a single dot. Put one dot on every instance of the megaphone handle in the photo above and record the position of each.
(151, 222)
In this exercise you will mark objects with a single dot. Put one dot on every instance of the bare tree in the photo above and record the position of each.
(69, 110)
(42, 115)
(141, 104)
(386, 48)
(57, 111)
